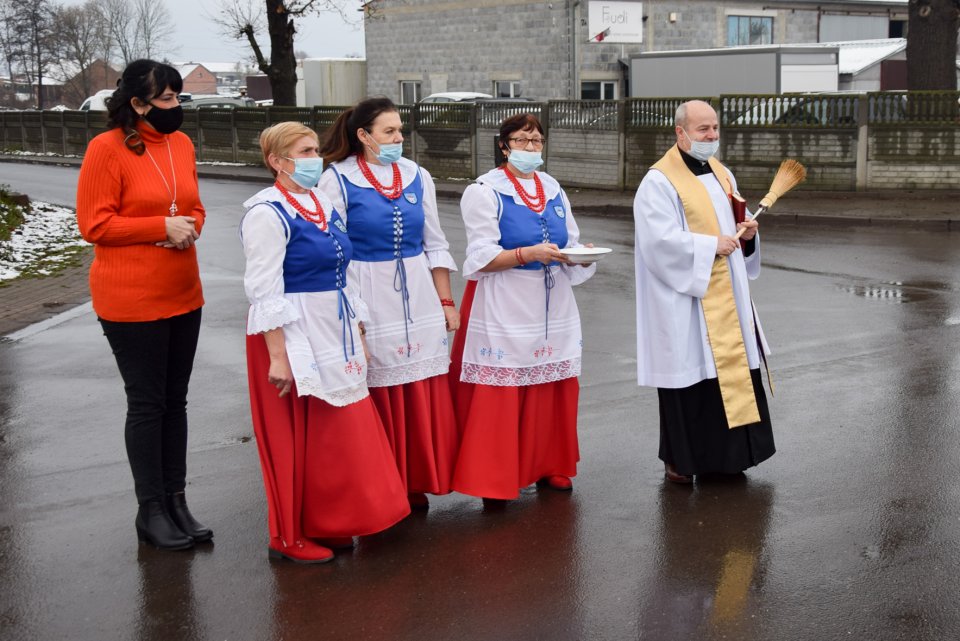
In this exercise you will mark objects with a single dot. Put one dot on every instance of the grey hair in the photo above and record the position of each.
(680, 117)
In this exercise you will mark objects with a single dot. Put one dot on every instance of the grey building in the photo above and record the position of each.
(545, 50)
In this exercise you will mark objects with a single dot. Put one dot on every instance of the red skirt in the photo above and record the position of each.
(512, 436)
(421, 426)
(328, 471)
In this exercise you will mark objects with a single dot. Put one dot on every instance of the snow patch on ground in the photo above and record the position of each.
(46, 242)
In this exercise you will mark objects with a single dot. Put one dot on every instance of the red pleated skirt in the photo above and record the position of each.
(421, 427)
(328, 471)
(512, 436)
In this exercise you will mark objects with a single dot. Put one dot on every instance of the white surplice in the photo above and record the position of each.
(673, 268)
(312, 330)
(386, 336)
(510, 341)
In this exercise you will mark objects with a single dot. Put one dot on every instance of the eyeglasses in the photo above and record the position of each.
(523, 142)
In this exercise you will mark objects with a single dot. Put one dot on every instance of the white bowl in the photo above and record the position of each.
(585, 254)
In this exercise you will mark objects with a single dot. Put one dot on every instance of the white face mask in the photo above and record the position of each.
(702, 150)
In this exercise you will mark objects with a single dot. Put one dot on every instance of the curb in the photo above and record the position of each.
(584, 200)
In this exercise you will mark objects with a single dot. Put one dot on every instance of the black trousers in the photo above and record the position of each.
(155, 359)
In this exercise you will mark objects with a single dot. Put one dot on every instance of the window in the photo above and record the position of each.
(749, 30)
(409, 92)
(506, 89)
(598, 90)
(898, 29)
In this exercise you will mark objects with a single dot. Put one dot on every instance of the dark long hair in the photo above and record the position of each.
(340, 139)
(143, 79)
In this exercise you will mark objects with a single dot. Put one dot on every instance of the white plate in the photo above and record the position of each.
(585, 254)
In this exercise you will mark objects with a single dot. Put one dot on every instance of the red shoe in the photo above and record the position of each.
(557, 482)
(418, 501)
(336, 542)
(299, 552)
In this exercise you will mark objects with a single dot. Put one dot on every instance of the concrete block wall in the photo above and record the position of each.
(445, 153)
(585, 158)
(643, 148)
(465, 45)
(830, 156)
(913, 157)
(486, 150)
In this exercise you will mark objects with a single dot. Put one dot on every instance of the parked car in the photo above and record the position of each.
(839, 111)
(97, 102)
(216, 102)
(492, 111)
(455, 96)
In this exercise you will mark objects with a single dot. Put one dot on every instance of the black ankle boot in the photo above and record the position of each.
(180, 513)
(155, 526)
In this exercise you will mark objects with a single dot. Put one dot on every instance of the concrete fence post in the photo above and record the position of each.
(622, 145)
(474, 147)
(234, 137)
(863, 139)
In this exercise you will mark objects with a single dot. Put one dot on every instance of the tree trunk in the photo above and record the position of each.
(932, 45)
(283, 62)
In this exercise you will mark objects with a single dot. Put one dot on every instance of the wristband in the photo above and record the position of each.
(447, 302)
(520, 260)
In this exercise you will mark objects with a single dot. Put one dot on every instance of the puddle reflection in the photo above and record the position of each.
(713, 562)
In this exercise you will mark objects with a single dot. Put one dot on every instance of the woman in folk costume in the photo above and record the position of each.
(401, 267)
(327, 467)
(517, 355)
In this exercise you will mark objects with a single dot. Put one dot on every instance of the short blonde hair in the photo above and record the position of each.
(278, 139)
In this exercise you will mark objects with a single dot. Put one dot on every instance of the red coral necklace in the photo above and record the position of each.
(536, 202)
(394, 190)
(318, 217)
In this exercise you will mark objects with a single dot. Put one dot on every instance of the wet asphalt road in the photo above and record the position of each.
(849, 532)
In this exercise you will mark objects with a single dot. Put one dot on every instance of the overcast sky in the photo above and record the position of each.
(197, 38)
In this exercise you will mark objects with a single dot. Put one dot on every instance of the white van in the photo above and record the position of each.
(98, 101)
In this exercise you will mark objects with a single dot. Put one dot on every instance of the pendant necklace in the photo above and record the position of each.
(173, 173)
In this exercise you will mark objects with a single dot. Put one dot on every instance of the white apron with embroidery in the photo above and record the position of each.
(390, 364)
(510, 341)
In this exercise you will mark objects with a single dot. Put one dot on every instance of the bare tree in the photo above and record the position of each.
(137, 29)
(33, 23)
(79, 36)
(154, 28)
(118, 18)
(932, 44)
(10, 42)
(246, 19)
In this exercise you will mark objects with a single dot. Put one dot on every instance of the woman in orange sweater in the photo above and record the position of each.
(138, 202)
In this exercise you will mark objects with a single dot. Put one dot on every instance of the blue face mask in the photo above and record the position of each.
(702, 150)
(525, 161)
(391, 153)
(306, 171)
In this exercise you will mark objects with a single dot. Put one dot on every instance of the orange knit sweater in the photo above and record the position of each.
(121, 206)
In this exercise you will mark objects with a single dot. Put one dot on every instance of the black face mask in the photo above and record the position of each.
(166, 121)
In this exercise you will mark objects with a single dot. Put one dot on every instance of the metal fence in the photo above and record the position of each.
(443, 136)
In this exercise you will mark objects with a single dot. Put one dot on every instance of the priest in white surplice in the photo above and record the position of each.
(699, 341)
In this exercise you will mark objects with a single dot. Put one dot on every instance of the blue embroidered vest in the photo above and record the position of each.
(382, 229)
(316, 261)
(520, 227)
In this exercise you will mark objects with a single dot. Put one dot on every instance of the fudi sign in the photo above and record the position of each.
(615, 22)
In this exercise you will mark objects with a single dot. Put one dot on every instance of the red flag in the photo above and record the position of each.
(602, 35)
